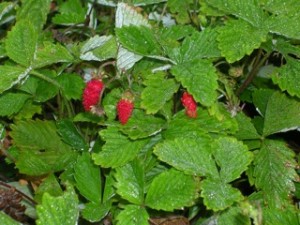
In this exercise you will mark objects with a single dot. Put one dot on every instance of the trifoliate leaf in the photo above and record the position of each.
(41, 149)
(219, 195)
(232, 157)
(71, 13)
(249, 11)
(135, 127)
(287, 77)
(235, 41)
(11, 75)
(130, 182)
(133, 215)
(274, 172)
(138, 39)
(7, 220)
(233, 215)
(191, 155)
(34, 10)
(200, 45)
(118, 148)
(21, 43)
(174, 189)
(246, 128)
(50, 53)
(199, 77)
(99, 48)
(55, 210)
(282, 114)
(88, 178)
(157, 92)
(72, 85)
(11, 103)
(94, 212)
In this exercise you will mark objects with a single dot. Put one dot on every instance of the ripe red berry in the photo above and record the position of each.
(91, 93)
(190, 105)
(124, 110)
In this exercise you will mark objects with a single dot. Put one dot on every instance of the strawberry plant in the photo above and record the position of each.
(140, 112)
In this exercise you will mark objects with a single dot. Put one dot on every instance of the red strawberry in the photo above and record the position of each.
(91, 94)
(125, 107)
(190, 105)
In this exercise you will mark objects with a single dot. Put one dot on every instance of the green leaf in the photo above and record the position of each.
(190, 155)
(282, 114)
(112, 155)
(246, 128)
(175, 32)
(71, 13)
(88, 178)
(11, 75)
(49, 185)
(285, 24)
(179, 9)
(200, 45)
(7, 220)
(28, 110)
(157, 92)
(54, 210)
(234, 47)
(94, 212)
(99, 48)
(232, 157)
(138, 39)
(183, 126)
(133, 215)
(261, 98)
(11, 103)
(41, 149)
(126, 16)
(274, 172)
(70, 135)
(286, 216)
(146, 2)
(287, 77)
(130, 182)
(174, 190)
(276, 6)
(234, 216)
(199, 77)
(34, 10)
(5, 7)
(46, 90)
(249, 10)
(21, 43)
(135, 127)
(72, 85)
(110, 101)
(219, 195)
(50, 53)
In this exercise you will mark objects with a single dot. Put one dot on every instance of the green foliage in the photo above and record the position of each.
(235, 163)
(54, 210)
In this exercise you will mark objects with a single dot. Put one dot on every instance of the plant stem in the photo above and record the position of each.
(43, 77)
(259, 61)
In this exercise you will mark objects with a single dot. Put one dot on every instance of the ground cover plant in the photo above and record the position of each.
(140, 112)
